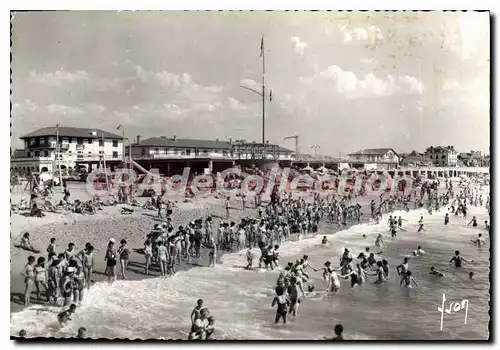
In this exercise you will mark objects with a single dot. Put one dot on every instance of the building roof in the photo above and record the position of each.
(441, 149)
(193, 143)
(71, 132)
(373, 152)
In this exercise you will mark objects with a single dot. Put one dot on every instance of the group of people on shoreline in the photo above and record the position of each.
(283, 219)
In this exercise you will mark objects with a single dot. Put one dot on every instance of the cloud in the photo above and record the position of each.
(367, 60)
(93, 107)
(64, 110)
(235, 105)
(349, 85)
(300, 45)
(26, 106)
(449, 84)
(59, 77)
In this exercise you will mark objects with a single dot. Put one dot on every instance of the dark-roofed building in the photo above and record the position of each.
(76, 145)
(442, 155)
(376, 155)
(472, 158)
(178, 148)
(415, 159)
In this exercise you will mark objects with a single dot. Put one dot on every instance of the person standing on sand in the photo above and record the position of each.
(67, 285)
(88, 264)
(227, 207)
(148, 254)
(29, 279)
(54, 277)
(41, 277)
(110, 259)
(51, 247)
(124, 253)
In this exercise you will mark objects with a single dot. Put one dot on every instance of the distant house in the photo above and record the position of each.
(442, 155)
(375, 155)
(415, 159)
(472, 158)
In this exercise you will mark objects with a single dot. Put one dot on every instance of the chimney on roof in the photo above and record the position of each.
(138, 138)
(173, 138)
(230, 141)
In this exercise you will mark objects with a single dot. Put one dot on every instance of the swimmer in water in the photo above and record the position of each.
(82, 333)
(381, 278)
(421, 224)
(446, 219)
(283, 303)
(379, 242)
(64, 317)
(419, 251)
(325, 241)
(249, 259)
(403, 267)
(479, 241)
(407, 280)
(457, 259)
(22, 333)
(436, 272)
(471, 275)
(473, 222)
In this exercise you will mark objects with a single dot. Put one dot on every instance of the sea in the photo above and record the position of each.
(240, 300)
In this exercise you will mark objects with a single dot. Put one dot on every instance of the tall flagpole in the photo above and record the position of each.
(263, 92)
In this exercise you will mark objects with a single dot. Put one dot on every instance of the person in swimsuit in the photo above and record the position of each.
(436, 272)
(293, 293)
(82, 333)
(479, 241)
(421, 224)
(471, 275)
(41, 277)
(419, 251)
(110, 258)
(199, 326)
(51, 247)
(473, 222)
(148, 254)
(124, 254)
(325, 241)
(446, 219)
(29, 279)
(283, 303)
(195, 314)
(339, 329)
(407, 280)
(403, 267)
(65, 316)
(88, 265)
(379, 242)
(67, 285)
(78, 285)
(385, 266)
(249, 259)
(457, 259)
(381, 278)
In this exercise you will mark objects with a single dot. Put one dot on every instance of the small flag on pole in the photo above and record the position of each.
(119, 127)
(270, 95)
(262, 46)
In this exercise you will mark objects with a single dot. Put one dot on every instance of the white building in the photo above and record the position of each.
(77, 146)
(376, 155)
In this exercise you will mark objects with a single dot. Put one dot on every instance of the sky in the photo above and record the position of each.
(341, 81)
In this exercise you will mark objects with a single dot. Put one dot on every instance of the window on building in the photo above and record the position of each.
(143, 151)
(196, 151)
(42, 141)
(32, 142)
(115, 143)
(115, 154)
(37, 154)
(101, 142)
(70, 139)
(188, 152)
(156, 151)
(101, 152)
(443, 156)
(79, 141)
(29, 154)
(89, 141)
(46, 153)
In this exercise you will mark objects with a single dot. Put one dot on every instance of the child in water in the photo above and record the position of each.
(325, 241)
(407, 280)
(64, 317)
(436, 272)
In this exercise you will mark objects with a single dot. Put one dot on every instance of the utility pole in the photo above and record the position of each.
(315, 150)
(123, 141)
(262, 93)
(104, 161)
